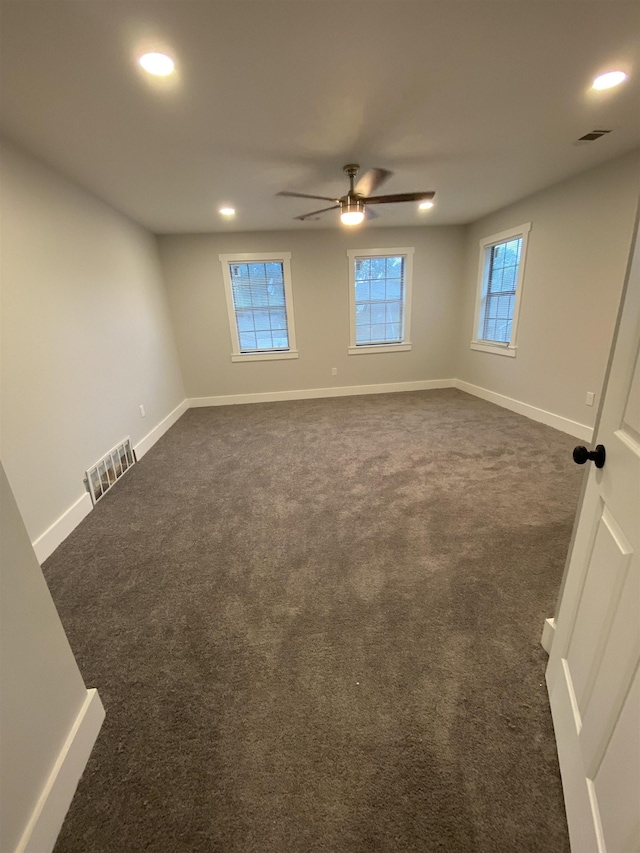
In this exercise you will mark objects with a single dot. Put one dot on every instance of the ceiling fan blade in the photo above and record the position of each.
(371, 180)
(316, 212)
(370, 214)
(388, 199)
(304, 195)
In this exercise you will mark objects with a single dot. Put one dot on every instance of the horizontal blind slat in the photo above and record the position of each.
(260, 306)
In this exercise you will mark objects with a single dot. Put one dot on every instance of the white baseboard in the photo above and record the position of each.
(48, 541)
(46, 820)
(46, 544)
(581, 431)
(314, 393)
(548, 634)
(158, 431)
(556, 421)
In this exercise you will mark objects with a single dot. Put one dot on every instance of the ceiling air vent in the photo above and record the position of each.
(591, 136)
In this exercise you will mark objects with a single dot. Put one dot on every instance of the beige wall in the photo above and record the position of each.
(42, 690)
(319, 267)
(578, 251)
(89, 332)
(86, 336)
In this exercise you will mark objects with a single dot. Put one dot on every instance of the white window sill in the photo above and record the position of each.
(365, 350)
(496, 349)
(263, 356)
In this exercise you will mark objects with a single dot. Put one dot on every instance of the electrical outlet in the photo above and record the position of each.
(334, 371)
(590, 398)
(142, 411)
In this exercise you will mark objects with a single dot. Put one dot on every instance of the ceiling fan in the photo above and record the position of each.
(355, 204)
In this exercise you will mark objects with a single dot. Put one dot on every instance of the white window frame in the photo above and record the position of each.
(358, 254)
(486, 244)
(242, 258)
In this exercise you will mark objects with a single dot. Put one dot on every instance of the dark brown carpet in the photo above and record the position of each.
(315, 628)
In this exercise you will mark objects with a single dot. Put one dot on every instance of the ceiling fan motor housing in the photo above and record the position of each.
(351, 204)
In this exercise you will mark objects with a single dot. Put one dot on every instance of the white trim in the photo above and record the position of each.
(48, 541)
(353, 254)
(575, 784)
(548, 634)
(484, 242)
(46, 544)
(265, 356)
(625, 438)
(541, 415)
(558, 422)
(254, 256)
(259, 355)
(481, 292)
(46, 819)
(379, 253)
(495, 348)
(158, 431)
(314, 393)
(366, 350)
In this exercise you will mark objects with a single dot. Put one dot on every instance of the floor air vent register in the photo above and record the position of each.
(108, 470)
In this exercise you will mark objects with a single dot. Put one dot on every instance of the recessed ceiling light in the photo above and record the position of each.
(609, 80)
(158, 64)
(425, 205)
(227, 211)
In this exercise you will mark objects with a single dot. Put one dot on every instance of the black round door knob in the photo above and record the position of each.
(582, 455)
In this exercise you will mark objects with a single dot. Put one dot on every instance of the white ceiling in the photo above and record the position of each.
(480, 101)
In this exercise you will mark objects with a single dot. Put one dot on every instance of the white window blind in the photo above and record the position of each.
(379, 300)
(260, 306)
(502, 279)
(501, 274)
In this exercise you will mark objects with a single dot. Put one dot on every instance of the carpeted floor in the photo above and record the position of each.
(315, 629)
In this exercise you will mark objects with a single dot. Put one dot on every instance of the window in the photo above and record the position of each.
(260, 306)
(502, 259)
(380, 299)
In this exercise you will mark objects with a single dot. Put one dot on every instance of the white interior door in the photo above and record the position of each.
(592, 676)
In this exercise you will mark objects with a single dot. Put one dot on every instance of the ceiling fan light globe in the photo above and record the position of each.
(352, 217)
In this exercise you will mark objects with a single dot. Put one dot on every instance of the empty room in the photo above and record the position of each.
(320, 426)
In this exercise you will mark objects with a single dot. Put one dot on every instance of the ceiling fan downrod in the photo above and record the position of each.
(351, 169)
(352, 204)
